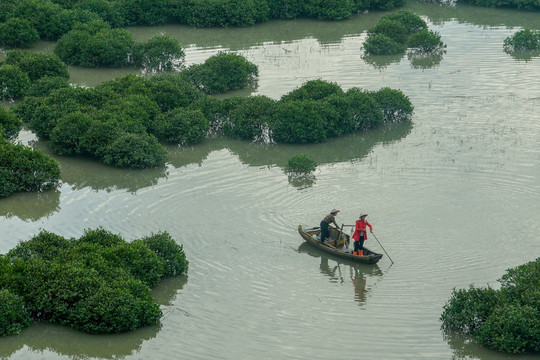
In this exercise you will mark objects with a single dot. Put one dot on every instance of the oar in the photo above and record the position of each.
(382, 247)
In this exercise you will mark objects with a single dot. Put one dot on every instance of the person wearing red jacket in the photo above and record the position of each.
(360, 233)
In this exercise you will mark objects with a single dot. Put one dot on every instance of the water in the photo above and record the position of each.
(453, 198)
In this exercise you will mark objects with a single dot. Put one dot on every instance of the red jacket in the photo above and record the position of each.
(361, 226)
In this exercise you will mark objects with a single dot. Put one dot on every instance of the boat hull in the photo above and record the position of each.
(309, 235)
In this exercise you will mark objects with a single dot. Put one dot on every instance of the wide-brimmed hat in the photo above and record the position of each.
(363, 214)
(334, 211)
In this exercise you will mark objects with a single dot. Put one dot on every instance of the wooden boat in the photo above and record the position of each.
(341, 250)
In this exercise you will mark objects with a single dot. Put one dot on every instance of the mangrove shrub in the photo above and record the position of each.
(523, 40)
(37, 65)
(222, 72)
(10, 124)
(17, 33)
(300, 163)
(98, 283)
(13, 315)
(26, 169)
(14, 82)
(508, 319)
(181, 126)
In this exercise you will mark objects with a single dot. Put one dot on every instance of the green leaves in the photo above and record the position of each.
(26, 169)
(98, 283)
(506, 320)
(13, 316)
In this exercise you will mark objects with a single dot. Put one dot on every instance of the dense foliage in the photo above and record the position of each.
(507, 320)
(21, 70)
(98, 283)
(96, 43)
(25, 169)
(523, 40)
(14, 317)
(222, 72)
(25, 21)
(10, 124)
(17, 33)
(301, 163)
(529, 5)
(396, 32)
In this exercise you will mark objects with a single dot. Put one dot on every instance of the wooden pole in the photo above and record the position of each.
(382, 247)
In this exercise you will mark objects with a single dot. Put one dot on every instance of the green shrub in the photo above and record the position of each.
(37, 65)
(159, 53)
(223, 72)
(95, 44)
(249, 120)
(14, 317)
(98, 283)
(365, 110)
(181, 126)
(385, 4)
(14, 82)
(172, 90)
(223, 13)
(411, 21)
(395, 105)
(299, 122)
(44, 86)
(313, 90)
(137, 12)
(467, 310)
(286, 9)
(136, 151)
(301, 163)
(511, 329)
(17, 33)
(10, 124)
(506, 320)
(68, 132)
(426, 41)
(26, 169)
(523, 40)
(329, 9)
(391, 28)
(380, 44)
(108, 11)
(167, 249)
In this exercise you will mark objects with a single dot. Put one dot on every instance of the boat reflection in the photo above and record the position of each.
(362, 277)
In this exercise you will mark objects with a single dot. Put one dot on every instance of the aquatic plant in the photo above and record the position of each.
(301, 163)
(14, 317)
(508, 319)
(396, 32)
(98, 283)
(522, 40)
(222, 72)
(17, 33)
(26, 169)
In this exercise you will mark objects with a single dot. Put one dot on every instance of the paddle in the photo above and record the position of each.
(382, 246)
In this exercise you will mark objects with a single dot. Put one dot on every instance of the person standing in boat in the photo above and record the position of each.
(360, 233)
(328, 219)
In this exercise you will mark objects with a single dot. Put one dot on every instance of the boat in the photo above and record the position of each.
(311, 235)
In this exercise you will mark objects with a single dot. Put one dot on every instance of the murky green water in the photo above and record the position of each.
(453, 198)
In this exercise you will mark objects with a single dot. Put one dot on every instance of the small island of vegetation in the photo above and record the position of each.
(403, 29)
(24, 22)
(98, 283)
(506, 320)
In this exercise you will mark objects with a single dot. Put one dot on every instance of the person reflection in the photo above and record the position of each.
(358, 279)
(330, 272)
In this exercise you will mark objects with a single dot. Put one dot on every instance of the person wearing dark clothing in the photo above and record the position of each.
(360, 233)
(328, 219)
